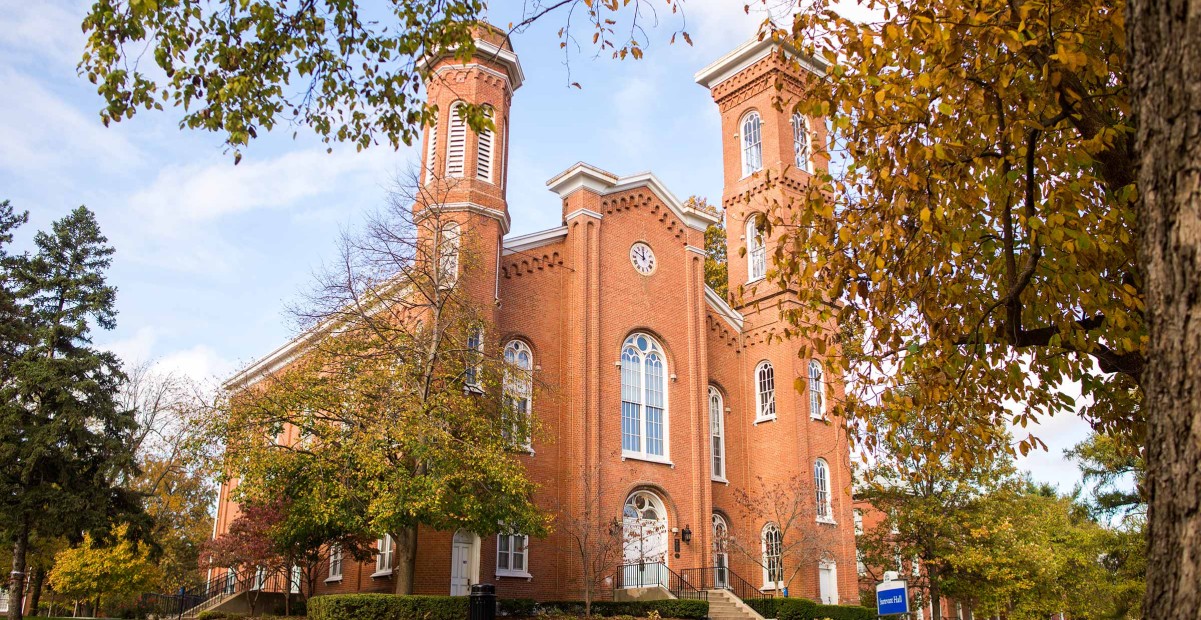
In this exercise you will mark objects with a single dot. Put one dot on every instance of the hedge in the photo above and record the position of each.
(805, 609)
(387, 607)
(670, 608)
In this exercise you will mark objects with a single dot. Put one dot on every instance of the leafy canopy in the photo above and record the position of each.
(979, 228)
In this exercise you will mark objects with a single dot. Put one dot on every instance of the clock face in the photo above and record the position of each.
(643, 258)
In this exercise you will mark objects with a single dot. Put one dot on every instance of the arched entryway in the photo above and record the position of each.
(644, 538)
(721, 558)
(464, 562)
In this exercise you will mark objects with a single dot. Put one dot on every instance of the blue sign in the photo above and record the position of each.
(892, 597)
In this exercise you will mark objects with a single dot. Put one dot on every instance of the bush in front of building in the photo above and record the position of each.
(805, 609)
(387, 607)
(671, 608)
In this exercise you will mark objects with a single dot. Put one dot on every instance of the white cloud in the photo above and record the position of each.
(201, 363)
(42, 133)
(136, 348)
(37, 31)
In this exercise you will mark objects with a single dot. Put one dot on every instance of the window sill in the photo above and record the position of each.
(754, 280)
(472, 388)
(514, 573)
(381, 573)
(827, 520)
(818, 418)
(719, 479)
(337, 579)
(649, 459)
(759, 421)
(770, 588)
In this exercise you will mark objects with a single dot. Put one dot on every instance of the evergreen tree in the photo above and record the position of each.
(63, 434)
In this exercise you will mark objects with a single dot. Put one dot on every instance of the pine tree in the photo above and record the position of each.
(63, 434)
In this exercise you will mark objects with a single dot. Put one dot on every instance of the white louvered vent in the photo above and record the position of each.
(456, 142)
(431, 152)
(483, 166)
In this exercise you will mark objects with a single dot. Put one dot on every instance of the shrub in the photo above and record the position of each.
(219, 615)
(804, 609)
(521, 607)
(387, 607)
(671, 608)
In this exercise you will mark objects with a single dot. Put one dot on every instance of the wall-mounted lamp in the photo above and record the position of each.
(686, 534)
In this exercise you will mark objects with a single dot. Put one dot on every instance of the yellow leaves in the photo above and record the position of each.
(925, 215)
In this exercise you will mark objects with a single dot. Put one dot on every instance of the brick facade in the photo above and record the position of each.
(573, 295)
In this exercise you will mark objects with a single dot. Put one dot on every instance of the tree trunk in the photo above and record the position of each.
(35, 595)
(16, 579)
(404, 559)
(1164, 39)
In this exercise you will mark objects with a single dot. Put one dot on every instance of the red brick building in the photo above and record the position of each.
(675, 396)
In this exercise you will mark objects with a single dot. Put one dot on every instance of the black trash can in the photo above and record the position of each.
(481, 605)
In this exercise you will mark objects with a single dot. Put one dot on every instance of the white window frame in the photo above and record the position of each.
(750, 130)
(802, 142)
(519, 389)
(635, 398)
(450, 237)
(294, 578)
(717, 434)
(768, 564)
(485, 151)
(511, 542)
(335, 563)
(456, 142)
(4, 600)
(821, 486)
(765, 392)
(474, 355)
(260, 578)
(756, 251)
(384, 550)
(817, 390)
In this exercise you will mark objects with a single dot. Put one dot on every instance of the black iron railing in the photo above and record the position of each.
(722, 578)
(651, 574)
(192, 601)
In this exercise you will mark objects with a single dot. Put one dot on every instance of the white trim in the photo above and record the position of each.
(696, 250)
(382, 573)
(490, 52)
(748, 54)
(470, 207)
(638, 456)
(534, 240)
(514, 573)
(333, 580)
(585, 176)
(729, 314)
(827, 520)
(579, 212)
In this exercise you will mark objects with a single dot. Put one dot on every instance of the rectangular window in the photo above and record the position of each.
(3, 600)
(654, 407)
(512, 555)
(383, 558)
(828, 582)
(335, 562)
(475, 351)
(295, 581)
(631, 410)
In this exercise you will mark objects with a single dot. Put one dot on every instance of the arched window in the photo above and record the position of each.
(448, 254)
(765, 392)
(773, 556)
(821, 485)
(431, 151)
(643, 398)
(817, 390)
(721, 557)
(801, 143)
(752, 144)
(484, 151)
(456, 141)
(756, 250)
(519, 387)
(717, 433)
(474, 354)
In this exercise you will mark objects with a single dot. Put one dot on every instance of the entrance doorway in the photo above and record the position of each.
(644, 541)
(464, 562)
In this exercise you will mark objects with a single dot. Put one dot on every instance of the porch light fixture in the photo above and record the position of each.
(686, 534)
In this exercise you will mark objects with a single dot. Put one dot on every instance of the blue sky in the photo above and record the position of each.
(209, 254)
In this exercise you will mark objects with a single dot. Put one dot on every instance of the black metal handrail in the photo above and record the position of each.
(650, 574)
(722, 578)
(187, 600)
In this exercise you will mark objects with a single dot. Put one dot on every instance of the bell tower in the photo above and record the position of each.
(464, 172)
(769, 152)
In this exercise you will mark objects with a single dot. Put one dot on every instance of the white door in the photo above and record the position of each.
(828, 582)
(460, 564)
(644, 544)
